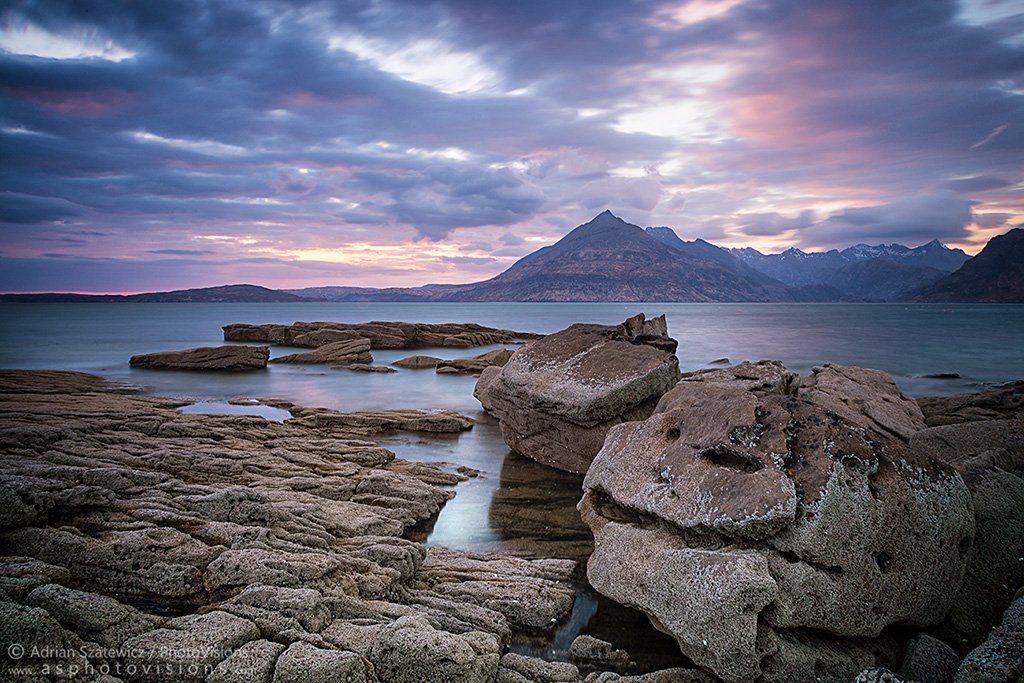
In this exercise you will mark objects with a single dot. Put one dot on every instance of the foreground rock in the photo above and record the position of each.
(382, 335)
(989, 454)
(557, 397)
(232, 544)
(1001, 403)
(475, 365)
(778, 526)
(1000, 659)
(206, 358)
(342, 353)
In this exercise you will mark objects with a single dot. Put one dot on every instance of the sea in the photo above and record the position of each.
(515, 505)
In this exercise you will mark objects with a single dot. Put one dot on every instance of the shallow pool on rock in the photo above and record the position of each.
(218, 408)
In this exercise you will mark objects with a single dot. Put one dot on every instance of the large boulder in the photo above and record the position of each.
(776, 526)
(205, 358)
(557, 397)
(989, 454)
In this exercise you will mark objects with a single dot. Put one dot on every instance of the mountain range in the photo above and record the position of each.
(608, 259)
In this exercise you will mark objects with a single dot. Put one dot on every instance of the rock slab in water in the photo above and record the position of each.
(557, 397)
(232, 358)
(382, 335)
(776, 526)
(474, 365)
(281, 544)
(336, 353)
(418, 362)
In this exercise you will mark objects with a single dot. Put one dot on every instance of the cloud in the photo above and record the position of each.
(303, 126)
(943, 216)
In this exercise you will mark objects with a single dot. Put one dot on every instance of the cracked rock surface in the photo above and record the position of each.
(557, 397)
(778, 526)
(255, 550)
(205, 358)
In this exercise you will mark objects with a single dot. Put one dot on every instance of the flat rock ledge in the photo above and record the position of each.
(230, 548)
(229, 358)
(381, 335)
(557, 397)
(787, 528)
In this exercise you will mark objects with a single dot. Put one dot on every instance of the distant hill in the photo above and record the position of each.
(883, 272)
(222, 294)
(995, 275)
(608, 259)
(881, 279)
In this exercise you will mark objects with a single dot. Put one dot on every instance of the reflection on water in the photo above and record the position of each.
(519, 507)
(216, 408)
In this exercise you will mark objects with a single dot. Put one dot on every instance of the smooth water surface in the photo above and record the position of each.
(516, 505)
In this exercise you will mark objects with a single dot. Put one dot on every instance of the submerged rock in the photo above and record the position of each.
(365, 367)
(476, 364)
(205, 358)
(776, 526)
(556, 398)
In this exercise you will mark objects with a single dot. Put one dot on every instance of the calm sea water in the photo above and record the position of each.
(516, 505)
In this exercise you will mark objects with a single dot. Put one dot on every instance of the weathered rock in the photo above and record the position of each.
(675, 675)
(557, 397)
(254, 662)
(188, 649)
(879, 674)
(1000, 659)
(411, 650)
(474, 365)
(593, 654)
(335, 353)
(363, 367)
(516, 668)
(990, 456)
(281, 541)
(439, 421)
(929, 659)
(205, 358)
(417, 362)
(1003, 402)
(303, 662)
(482, 390)
(382, 335)
(754, 507)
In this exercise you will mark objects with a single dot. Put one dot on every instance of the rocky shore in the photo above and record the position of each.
(774, 527)
(231, 358)
(131, 528)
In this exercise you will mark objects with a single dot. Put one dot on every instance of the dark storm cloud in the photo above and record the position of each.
(304, 125)
(913, 220)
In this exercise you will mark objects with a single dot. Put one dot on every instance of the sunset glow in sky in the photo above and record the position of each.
(161, 145)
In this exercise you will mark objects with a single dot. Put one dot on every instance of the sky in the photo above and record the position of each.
(161, 145)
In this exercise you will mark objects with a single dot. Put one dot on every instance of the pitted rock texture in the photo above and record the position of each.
(205, 358)
(1000, 659)
(253, 545)
(776, 526)
(557, 397)
(990, 456)
(381, 335)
